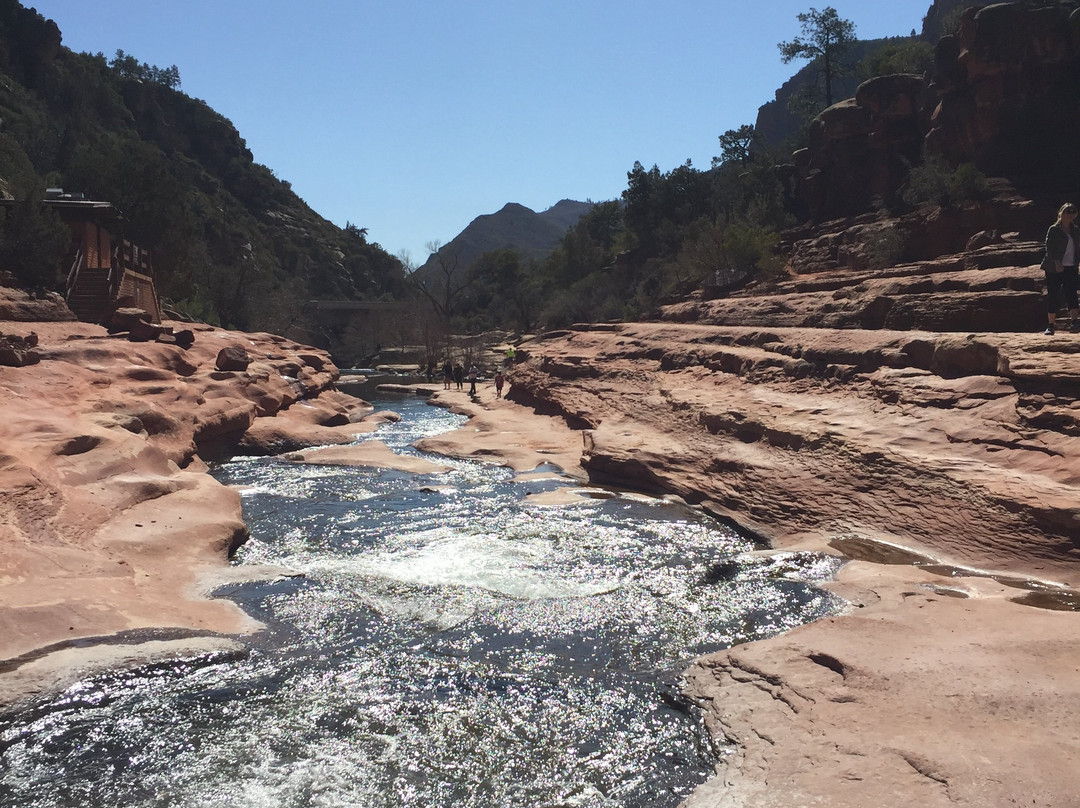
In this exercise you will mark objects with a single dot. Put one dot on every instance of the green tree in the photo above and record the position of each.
(934, 180)
(659, 207)
(825, 39)
(447, 283)
(735, 145)
(508, 288)
(33, 242)
(126, 65)
(906, 56)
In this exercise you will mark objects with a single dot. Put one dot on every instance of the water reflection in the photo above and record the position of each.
(449, 644)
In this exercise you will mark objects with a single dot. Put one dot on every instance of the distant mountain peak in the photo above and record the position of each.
(514, 226)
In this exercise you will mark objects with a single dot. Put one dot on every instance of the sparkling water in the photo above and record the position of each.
(448, 643)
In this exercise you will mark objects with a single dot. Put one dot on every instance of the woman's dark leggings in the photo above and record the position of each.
(1061, 285)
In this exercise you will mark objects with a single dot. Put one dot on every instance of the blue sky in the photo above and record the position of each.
(413, 118)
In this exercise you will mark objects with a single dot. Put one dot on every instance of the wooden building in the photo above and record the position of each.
(105, 270)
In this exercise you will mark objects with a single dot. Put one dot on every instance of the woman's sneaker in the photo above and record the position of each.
(1049, 330)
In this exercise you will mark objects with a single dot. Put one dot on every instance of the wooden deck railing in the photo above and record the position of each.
(73, 273)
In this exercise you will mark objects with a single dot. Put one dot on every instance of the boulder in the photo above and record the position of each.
(984, 238)
(891, 97)
(127, 318)
(233, 358)
(21, 306)
(145, 331)
(19, 351)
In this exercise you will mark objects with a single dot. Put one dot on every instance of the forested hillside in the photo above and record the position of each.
(672, 232)
(232, 243)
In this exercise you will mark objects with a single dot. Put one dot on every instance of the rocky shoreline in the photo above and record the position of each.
(113, 532)
(944, 464)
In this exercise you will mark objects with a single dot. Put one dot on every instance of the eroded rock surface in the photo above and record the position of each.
(109, 523)
(804, 418)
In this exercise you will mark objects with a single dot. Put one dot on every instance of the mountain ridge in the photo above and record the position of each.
(514, 226)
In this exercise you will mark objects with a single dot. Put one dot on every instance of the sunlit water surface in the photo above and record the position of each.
(449, 644)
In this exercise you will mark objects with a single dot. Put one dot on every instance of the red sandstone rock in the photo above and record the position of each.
(772, 409)
(963, 447)
(1002, 95)
(109, 520)
(127, 318)
(369, 453)
(233, 358)
(17, 305)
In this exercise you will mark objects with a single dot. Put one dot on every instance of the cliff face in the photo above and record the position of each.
(775, 122)
(958, 445)
(1006, 91)
(1003, 95)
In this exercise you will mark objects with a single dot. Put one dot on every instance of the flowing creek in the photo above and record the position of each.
(449, 643)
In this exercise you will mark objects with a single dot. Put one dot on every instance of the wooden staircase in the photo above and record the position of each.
(90, 298)
(94, 292)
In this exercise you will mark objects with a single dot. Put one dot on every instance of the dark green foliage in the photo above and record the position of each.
(937, 182)
(909, 55)
(671, 233)
(659, 206)
(968, 184)
(736, 145)
(33, 242)
(508, 290)
(231, 243)
(128, 67)
(825, 40)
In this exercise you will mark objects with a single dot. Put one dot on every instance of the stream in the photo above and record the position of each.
(448, 642)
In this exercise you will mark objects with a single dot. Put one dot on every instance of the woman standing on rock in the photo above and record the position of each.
(1062, 252)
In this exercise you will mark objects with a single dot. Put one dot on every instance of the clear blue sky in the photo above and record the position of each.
(413, 117)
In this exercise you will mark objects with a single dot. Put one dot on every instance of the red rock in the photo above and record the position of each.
(98, 464)
(233, 358)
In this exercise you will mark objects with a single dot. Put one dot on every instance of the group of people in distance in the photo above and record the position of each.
(455, 374)
(1060, 263)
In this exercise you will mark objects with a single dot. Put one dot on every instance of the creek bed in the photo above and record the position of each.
(449, 643)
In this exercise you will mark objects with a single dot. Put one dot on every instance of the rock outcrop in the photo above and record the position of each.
(17, 304)
(1004, 95)
(914, 419)
(109, 523)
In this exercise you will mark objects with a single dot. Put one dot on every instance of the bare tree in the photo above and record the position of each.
(445, 285)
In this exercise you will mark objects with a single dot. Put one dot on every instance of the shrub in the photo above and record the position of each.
(33, 243)
(906, 56)
(935, 181)
(967, 183)
(883, 247)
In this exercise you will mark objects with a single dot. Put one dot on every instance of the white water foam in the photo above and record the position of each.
(444, 558)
